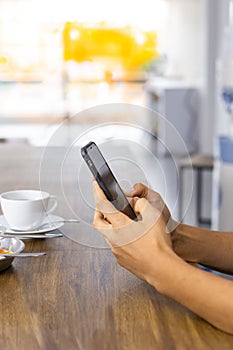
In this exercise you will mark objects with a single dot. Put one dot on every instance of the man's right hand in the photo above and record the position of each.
(154, 198)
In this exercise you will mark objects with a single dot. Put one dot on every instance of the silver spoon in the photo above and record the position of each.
(22, 255)
(42, 235)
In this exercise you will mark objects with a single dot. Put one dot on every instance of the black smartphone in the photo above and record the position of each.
(106, 180)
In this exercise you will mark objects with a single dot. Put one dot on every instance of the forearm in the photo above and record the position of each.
(210, 248)
(207, 295)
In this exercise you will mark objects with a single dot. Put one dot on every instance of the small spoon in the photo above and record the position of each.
(22, 255)
(43, 235)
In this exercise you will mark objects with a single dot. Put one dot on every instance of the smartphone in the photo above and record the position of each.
(106, 180)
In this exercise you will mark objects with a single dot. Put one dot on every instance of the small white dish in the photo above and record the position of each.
(55, 221)
(13, 244)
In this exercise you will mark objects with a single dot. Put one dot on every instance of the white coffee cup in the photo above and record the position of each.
(25, 210)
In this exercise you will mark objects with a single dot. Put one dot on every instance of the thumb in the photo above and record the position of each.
(138, 190)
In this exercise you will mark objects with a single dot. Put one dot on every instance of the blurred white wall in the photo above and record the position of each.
(195, 32)
(184, 45)
(216, 13)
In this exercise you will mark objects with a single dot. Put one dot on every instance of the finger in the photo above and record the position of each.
(110, 234)
(99, 222)
(103, 226)
(148, 213)
(138, 190)
(142, 191)
(101, 201)
(115, 217)
(98, 190)
(132, 201)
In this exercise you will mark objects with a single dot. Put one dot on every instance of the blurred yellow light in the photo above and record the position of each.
(132, 49)
(119, 35)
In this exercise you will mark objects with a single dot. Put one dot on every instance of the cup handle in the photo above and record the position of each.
(54, 206)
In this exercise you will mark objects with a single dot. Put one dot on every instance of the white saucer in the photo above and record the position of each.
(51, 219)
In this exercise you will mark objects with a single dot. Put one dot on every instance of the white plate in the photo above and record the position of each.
(51, 219)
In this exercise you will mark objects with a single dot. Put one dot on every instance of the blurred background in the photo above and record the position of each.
(172, 56)
(57, 59)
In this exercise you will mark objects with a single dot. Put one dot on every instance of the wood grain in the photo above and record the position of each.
(77, 297)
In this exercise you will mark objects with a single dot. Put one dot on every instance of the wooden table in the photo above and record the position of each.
(77, 297)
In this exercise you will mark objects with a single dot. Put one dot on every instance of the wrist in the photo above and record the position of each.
(185, 240)
(162, 268)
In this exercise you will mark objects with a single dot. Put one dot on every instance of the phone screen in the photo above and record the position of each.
(106, 180)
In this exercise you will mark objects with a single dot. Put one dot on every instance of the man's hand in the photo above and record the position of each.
(139, 246)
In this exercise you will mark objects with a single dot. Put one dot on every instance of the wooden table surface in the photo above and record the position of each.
(77, 297)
